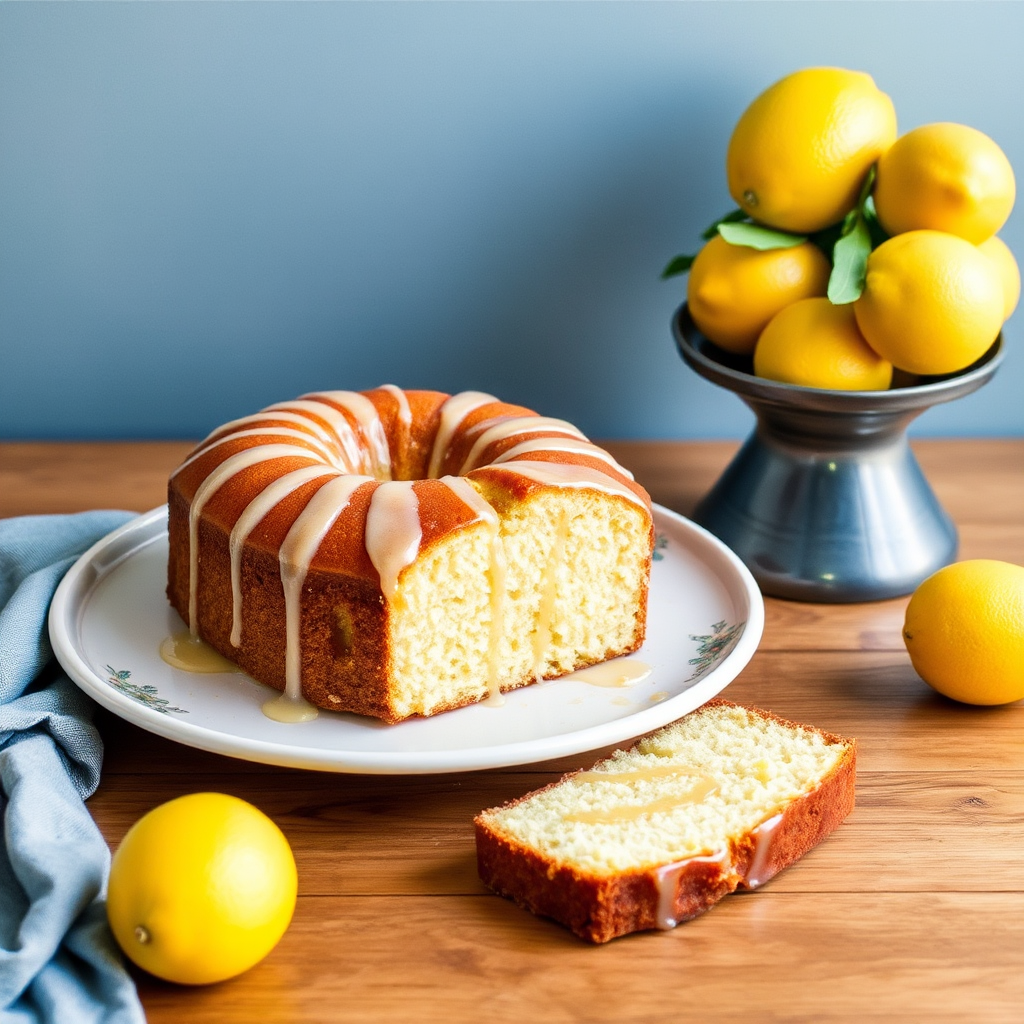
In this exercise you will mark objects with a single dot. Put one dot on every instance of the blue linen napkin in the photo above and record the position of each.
(58, 960)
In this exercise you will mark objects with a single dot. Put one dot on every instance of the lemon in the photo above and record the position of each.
(947, 177)
(201, 888)
(816, 344)
(800, 152)
(932, 303)
(964, 631)
(999, 253)
(734, 291)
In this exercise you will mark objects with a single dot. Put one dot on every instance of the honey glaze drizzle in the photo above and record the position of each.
(340, 427)
(758, 873)
(497, 573)
(453, 412)
(502, 428)
(560, 444)
(190, 654)
(393, 532)
(667, 880)
(403, 438)
(617, 672)
(548, 593)
(364, 412)
(231, 466)
(269, 498)
(297, 551)
(703, 786)
(313, 441)
(234, 426)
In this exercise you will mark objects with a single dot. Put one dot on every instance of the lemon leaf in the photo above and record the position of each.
(730, 218)
(865, 189)
(849, 264)
(878, 233)
(677, 265)
(756, 237)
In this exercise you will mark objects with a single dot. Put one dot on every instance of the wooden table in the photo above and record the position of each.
(913, 910)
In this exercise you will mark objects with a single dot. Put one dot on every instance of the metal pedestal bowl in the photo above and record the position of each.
(825, 500)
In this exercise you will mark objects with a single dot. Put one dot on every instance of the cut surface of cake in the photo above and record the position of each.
(396, 553)
(726, 797)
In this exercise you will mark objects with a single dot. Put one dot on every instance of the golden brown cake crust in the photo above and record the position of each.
(599, 908)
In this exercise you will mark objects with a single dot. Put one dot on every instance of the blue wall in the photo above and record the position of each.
(208, 207)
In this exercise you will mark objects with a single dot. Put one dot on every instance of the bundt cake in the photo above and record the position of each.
(726, 797)
(396, 553)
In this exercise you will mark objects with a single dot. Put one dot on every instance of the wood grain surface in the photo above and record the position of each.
(912, 911)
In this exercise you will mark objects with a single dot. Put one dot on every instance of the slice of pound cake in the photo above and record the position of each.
(726, 797)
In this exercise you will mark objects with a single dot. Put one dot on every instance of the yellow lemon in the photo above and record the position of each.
(799, 154)
(1009, 273)
(946, 177)
(964, 631)
(932, 303)
(734, 290)
(201, 888)
(817, 345)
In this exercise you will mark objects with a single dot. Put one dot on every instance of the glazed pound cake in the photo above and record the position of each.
(396, 553)
(726, 797)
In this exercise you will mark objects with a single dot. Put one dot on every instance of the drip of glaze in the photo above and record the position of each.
(353, 460)
(667, 880)
(315, 443)
(364, 412)
(265, 416)
(225, 471)
(189, 653)
(560, 444)
(758, 873)
(271, 495)
(702, 787)
(393, 532)
(453, 412)
(497, 577)
(297, 551)
(504, 427)
(617, 672)
(404, 411)
(549, 591)
(403, 440)
(559, 474)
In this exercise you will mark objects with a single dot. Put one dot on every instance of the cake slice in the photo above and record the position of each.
(726, 797)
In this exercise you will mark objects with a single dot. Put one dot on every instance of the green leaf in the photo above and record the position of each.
(677, 265)
(730, 218)
(754, 236)
(878, 233)
(849, 264)
(865, 189)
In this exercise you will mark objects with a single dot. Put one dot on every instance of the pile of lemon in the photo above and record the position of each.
(854, 251)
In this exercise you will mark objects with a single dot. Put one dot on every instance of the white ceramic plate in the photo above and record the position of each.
(110, 614)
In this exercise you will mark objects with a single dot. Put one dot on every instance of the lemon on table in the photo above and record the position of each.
(932, 302)
(999, 253)
(964, 631)
(946, 177)
(800, 152)
(201, 888)
(734, 290)
(816, 344)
